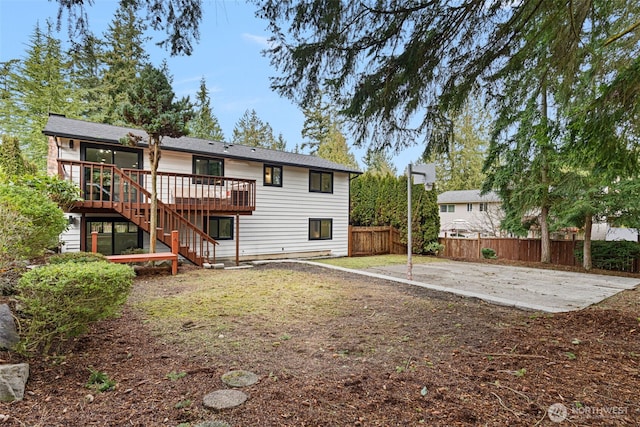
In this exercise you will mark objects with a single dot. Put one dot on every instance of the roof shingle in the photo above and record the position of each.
(61, 126)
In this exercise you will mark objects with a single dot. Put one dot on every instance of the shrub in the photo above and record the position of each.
(63, 193)
(61, 300)
(488, 253)
(611, 255)
(76, 257)
(39, 220)
(434, 248)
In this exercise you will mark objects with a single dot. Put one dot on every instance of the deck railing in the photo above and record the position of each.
(184, 200)
(183, 192)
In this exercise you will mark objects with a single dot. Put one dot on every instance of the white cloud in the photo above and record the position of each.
(259, 40)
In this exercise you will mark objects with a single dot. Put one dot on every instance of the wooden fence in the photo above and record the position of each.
(528, 250)
(365, 241)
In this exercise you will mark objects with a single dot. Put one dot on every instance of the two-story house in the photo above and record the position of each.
(466, 213)
(228, 202)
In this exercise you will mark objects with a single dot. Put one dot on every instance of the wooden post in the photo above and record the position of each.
(479, 247)
(349, 242)
(94, 241)
(174, 249)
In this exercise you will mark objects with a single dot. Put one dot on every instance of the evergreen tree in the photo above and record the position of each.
(86, 61)
(279, 144)
(252, 131)
(43, 87)
(460, 168)
(334, 147)
(378, 163)
(180, 19)
(154, 109)
(9, 97)
(399, 70)
(382, 200)
(205, 124)
(123, 59)
(317, 125)
(12, 163)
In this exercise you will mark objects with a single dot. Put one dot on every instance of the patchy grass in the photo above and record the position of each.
(218, 302)
(377, 261)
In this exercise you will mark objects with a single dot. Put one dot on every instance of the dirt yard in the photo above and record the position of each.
(335, 349)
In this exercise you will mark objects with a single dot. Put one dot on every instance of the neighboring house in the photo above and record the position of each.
(466, 213)
(229, 202)
(604, 231)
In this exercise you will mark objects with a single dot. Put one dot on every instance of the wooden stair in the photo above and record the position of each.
(133, 202)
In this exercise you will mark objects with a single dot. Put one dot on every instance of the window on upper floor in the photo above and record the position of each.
(447, 208)
(469, 207)
(273, 175)
(484, 207)
(320, 229)
(320, 182)
(207, 166)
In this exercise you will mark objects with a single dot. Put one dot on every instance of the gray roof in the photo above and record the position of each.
(62, 126)
(467, 196)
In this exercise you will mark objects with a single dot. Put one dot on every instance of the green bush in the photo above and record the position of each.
(434, 248)
(382, 200)
(76, 257)
(488, 253)
(616, 255)
(38, 219)
(63, 193)
(59, 301)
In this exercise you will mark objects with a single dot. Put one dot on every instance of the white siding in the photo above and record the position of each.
(280, 224)
(71, 237)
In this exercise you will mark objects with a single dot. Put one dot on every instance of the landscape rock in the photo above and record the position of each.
(8, 334)
(13, 379)
(239, 378)
(224, 399)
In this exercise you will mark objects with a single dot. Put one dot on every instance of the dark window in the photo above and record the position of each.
(320, 182)
(320, 229)
(469, 207)
(121, 157)
(207, 166)
(273, 175)
(220, 228)
(484, 207)
(114, 236)
(447, 208)
(97, 182)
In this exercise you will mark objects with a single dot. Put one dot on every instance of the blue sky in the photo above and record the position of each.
(228, 56)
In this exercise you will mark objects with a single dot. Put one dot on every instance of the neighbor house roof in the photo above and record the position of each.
(61, 126)
(467, 196)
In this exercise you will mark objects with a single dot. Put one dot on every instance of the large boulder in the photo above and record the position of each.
(13, 379)
(8, 334)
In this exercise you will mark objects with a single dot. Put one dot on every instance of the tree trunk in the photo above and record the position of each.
(154, 156)
(545, 251)
(545, 237)
(587, 261)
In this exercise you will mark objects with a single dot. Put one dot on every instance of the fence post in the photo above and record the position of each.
(479, 247)
(94, 241)
(349, 243)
